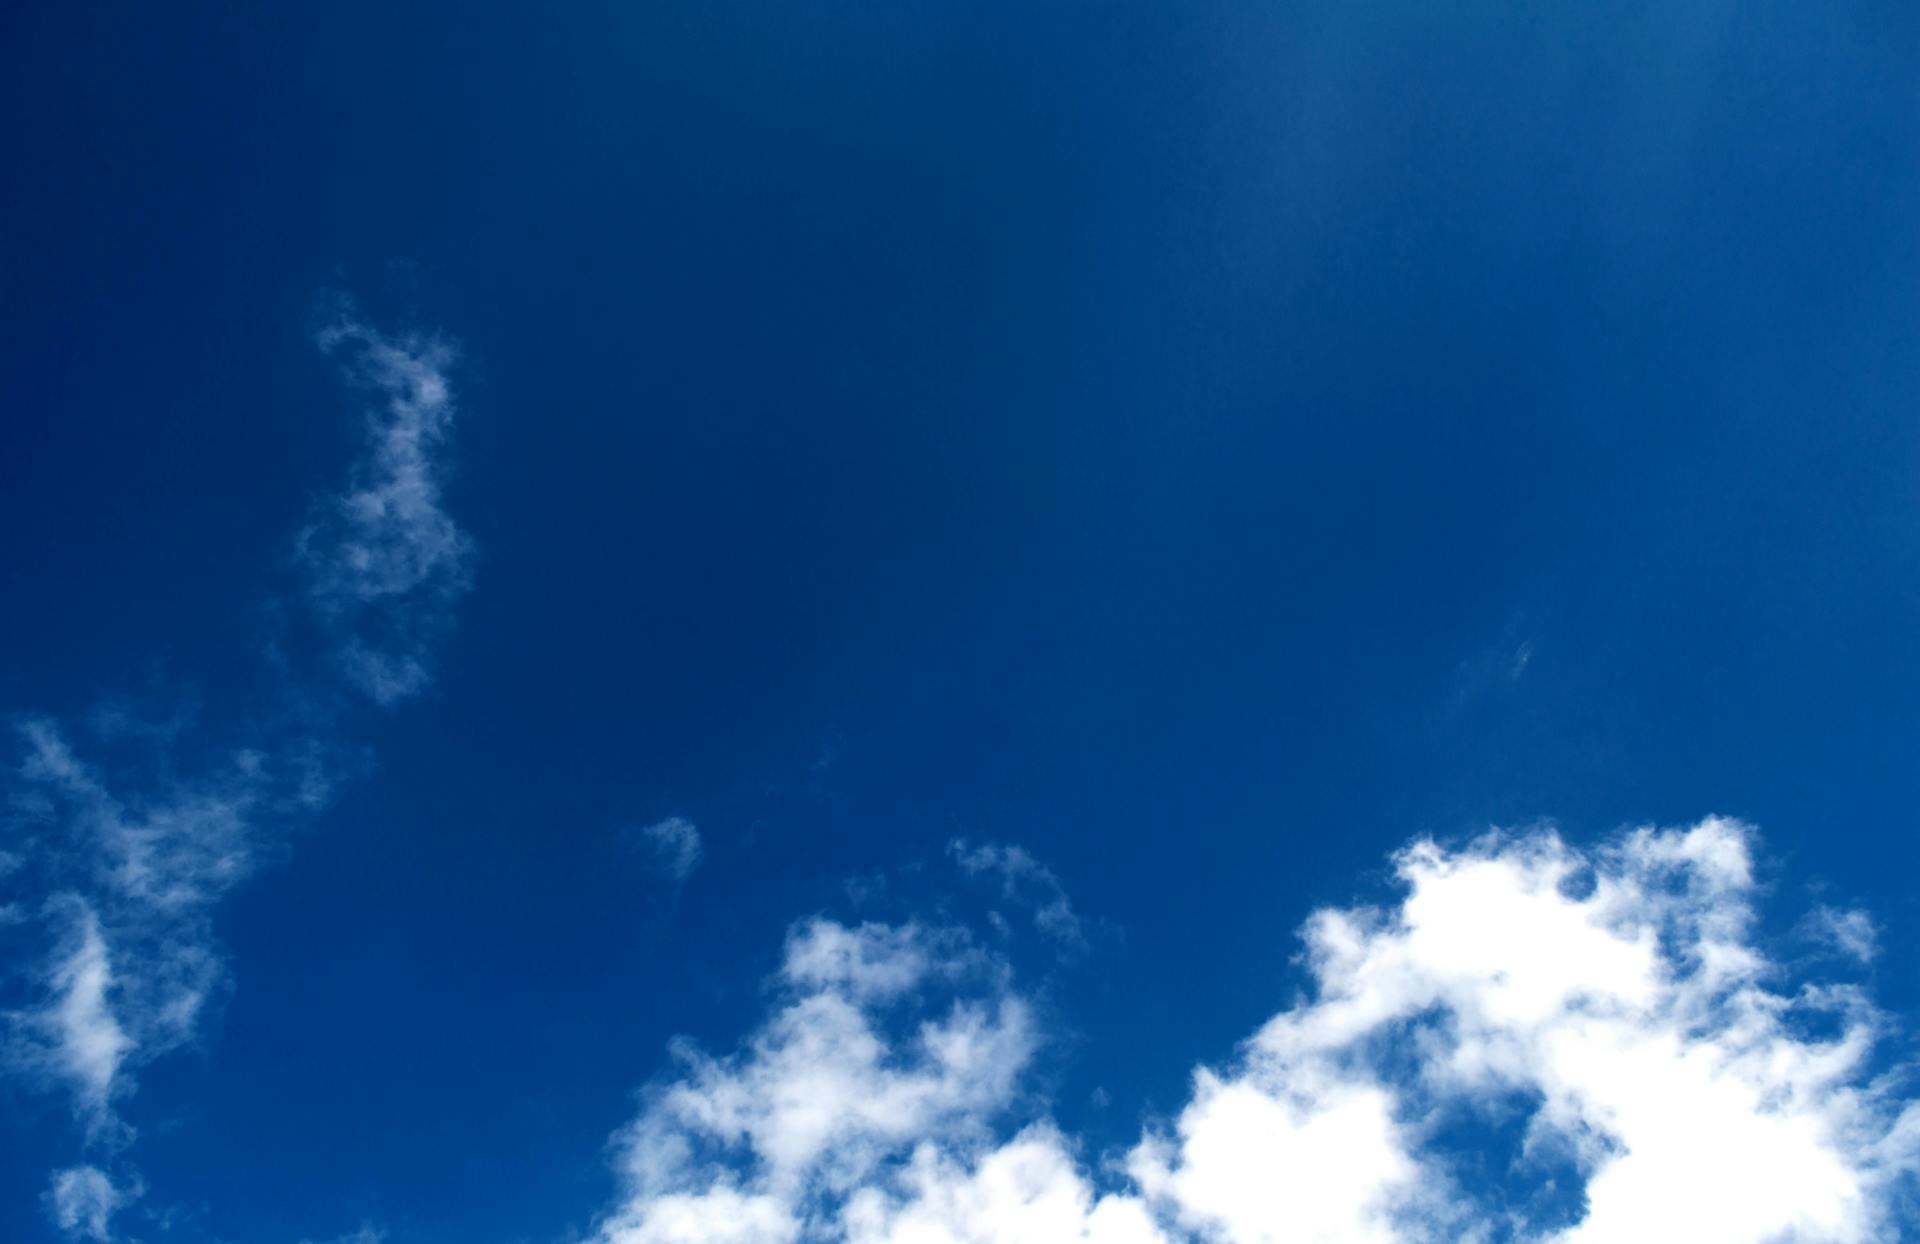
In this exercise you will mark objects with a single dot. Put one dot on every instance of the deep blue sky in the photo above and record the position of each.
(1207, 445)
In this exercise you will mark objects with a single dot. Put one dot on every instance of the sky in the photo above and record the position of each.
(935, 623)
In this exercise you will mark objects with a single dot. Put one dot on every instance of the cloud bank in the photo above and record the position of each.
(1534, 1043)
(124, 868)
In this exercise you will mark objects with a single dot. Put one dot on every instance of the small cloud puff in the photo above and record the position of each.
(1026, 881)
(675, 844)
(82, 1202)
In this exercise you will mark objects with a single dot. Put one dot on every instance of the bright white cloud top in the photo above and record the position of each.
(1665, 1080)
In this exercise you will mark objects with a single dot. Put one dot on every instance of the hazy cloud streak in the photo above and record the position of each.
(384, 560)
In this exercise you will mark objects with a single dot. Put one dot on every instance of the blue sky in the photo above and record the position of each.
(765, 623)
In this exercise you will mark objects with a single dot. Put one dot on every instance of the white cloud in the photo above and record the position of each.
(676, 847)
(365, 1235)
(82, 1202)
(881, 963)
(87, 1042)
(183, 845)
(124, 886)
(1668, 1080)
(850, 1073)
(119, 852)
(384, 559)
(1309, 1159)
(1026, 881)
(1851, 933)
(1028, 1191)
(1639, 1016)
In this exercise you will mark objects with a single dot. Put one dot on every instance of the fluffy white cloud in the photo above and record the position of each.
(1850, 933)
(384, 559)
(82, 1202)
(1620, 992)
(1668, 1080)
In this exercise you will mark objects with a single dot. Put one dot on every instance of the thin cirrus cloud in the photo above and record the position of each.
(1849, 933)
(84, 1040)
(675, 846)
(1025, 881)
(1656, 1074)
(384, 559)
(82, 1201)
(128, 842)
(127, 870)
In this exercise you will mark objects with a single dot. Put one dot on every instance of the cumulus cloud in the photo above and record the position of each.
(675, 844)
(1639, 1020)
(384, 559)
(1026, 881)
(1609, 1011)
(82, 1202)
(857, 1066)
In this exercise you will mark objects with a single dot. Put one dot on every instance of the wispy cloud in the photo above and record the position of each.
(84, 1040)
(82, 1201)
(675, 844)
(384, 559)
(1614, 1001)
(1850, 933)
(365, 1235)
(125, 840)
(1667, 1074)
(1026, 881)
(1498, 668)
(125, 886)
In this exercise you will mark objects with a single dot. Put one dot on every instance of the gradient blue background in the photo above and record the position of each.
(1207, 444)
